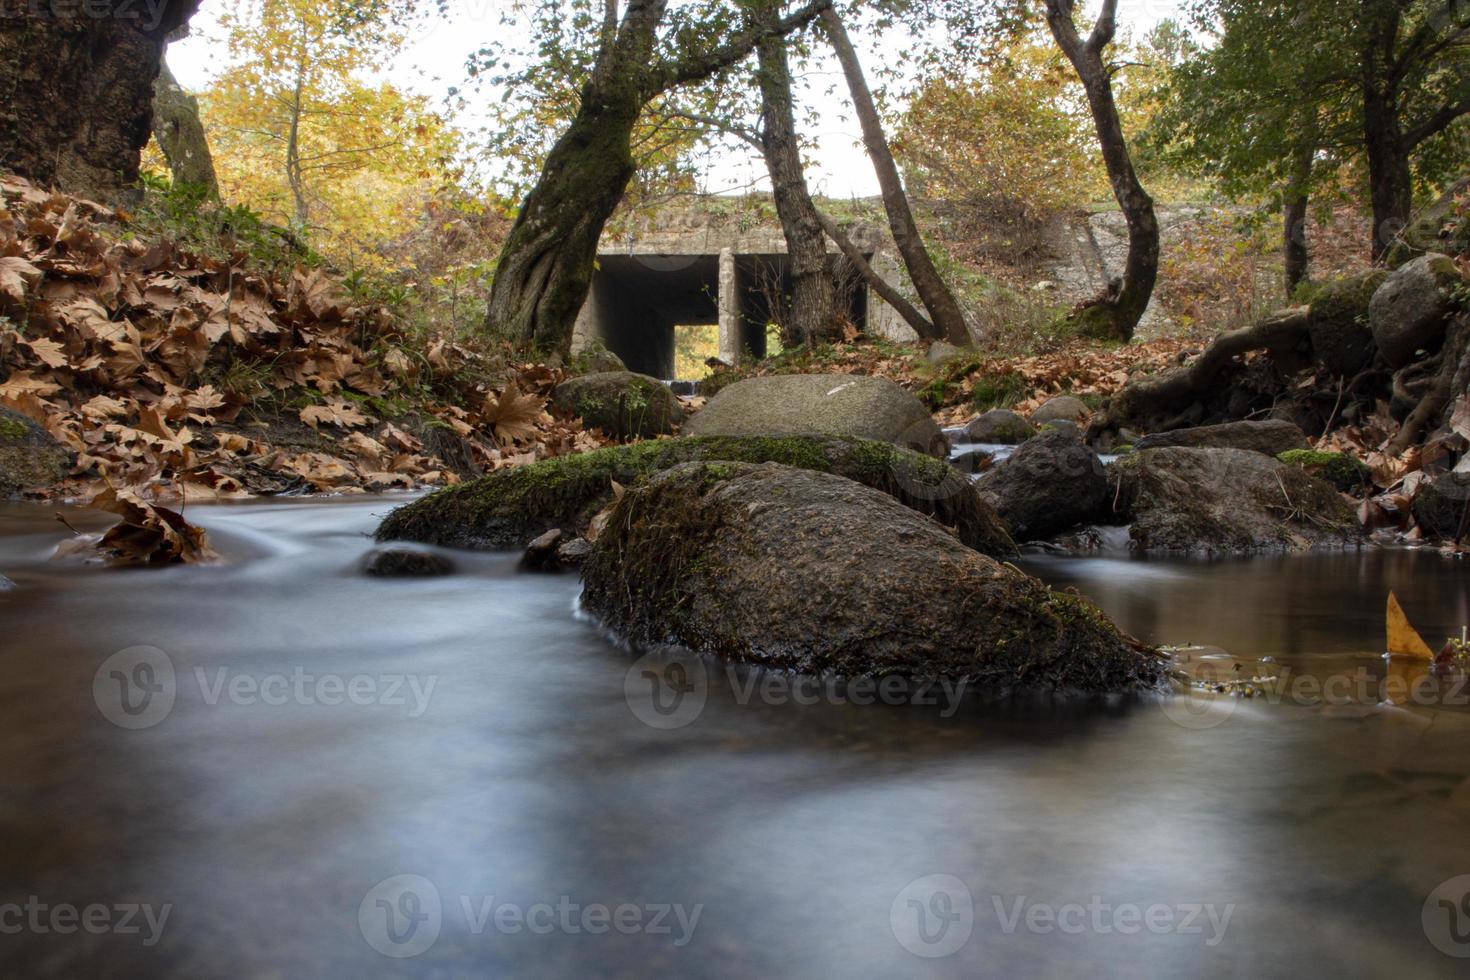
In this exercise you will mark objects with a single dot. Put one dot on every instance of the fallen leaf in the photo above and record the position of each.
(1403, 639)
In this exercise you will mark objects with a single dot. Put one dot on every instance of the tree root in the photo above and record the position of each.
(1454, 375)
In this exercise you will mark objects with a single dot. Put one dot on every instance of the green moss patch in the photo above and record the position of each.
(1346, 473)
(511, 508)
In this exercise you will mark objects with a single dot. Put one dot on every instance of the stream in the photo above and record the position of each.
(279, 767)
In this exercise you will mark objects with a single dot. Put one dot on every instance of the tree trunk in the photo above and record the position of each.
(1294, 220)
(1390, 181)
(881, 286)
(545, 269)
(813, 296)
(180, 134)
(1117, 314)
(76, 90)
(943, 309)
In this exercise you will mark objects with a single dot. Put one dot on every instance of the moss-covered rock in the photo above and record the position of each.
(1411, 310)
(30, 459)
(1226, 502)
(1338, 322)
(804, 571)
(1442, 507)
(622, 404)
(511, 508)
(1271, 436)
(827, 404)
(1346, 473)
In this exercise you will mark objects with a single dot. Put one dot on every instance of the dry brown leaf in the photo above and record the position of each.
(17, 276)
(1403, 639)
(336, 412)
(512, 414)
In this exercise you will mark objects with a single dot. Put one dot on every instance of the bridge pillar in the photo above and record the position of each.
(732, 320)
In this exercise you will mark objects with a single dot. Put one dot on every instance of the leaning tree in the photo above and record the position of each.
(78, 79)
(642, 51)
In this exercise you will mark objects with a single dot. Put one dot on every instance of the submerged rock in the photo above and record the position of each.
(1226, 502)
(806, 571)
(30, 459)
(1272, 437)
(1052, 483)
(622, 404)
(406, 563)
(1001, 427)
(827, 404)
(511, 508)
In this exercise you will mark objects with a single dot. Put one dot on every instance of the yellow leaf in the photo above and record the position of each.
(1403, 639)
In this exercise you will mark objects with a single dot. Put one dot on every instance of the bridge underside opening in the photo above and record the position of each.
(637, 302)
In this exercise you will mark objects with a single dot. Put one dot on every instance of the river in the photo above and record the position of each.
(278, 767)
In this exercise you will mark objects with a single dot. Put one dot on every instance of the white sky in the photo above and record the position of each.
(438, 48)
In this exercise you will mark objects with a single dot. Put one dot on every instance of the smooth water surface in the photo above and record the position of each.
(497, 748)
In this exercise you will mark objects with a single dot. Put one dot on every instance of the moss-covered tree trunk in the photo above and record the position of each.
(76, 90)
(180, 134)
(1117, 314)
(545, 269)
(813, 296)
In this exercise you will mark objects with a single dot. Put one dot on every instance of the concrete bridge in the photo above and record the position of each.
(723, 263)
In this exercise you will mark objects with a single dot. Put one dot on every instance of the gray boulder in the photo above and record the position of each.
(1272, 437)
(1411, 309)
(828, 404)
(623, 404)
(804, 571)
(1001, 427)
(30, 459)
(1226, 502)
(1063, 408)
(1052, 483)
(941, 351)
(1441, 505)
(511, 508)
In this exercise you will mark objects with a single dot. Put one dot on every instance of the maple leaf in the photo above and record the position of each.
(512, 414)
(16, 276)
(48, 352)
(102, 407)
(147, 534)
(336, 412)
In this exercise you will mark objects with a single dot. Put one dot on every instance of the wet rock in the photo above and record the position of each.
(1272, 437)
(972, 462)
(511, 508)
(1225, 502)
(1052, 483)
(30, 459)
(622, 404)
(1338, 323)
(1063, 408)
(1001, 427)
(826, 404)
(406, 563)
(574, 552)
(806, 571)
(1441, 507)
(1410, 311)
(541, 554)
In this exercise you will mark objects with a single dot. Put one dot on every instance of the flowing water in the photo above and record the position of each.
(293, 739)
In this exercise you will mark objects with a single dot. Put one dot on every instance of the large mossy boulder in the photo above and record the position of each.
(1338, 323)
(1221, 502)
(826, 404)
(511, 508)
(1442, 227)
(1272, 437)
(623, 404)
(30, 459)
(805, 571)
(1050, 484)
(1411, 310)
